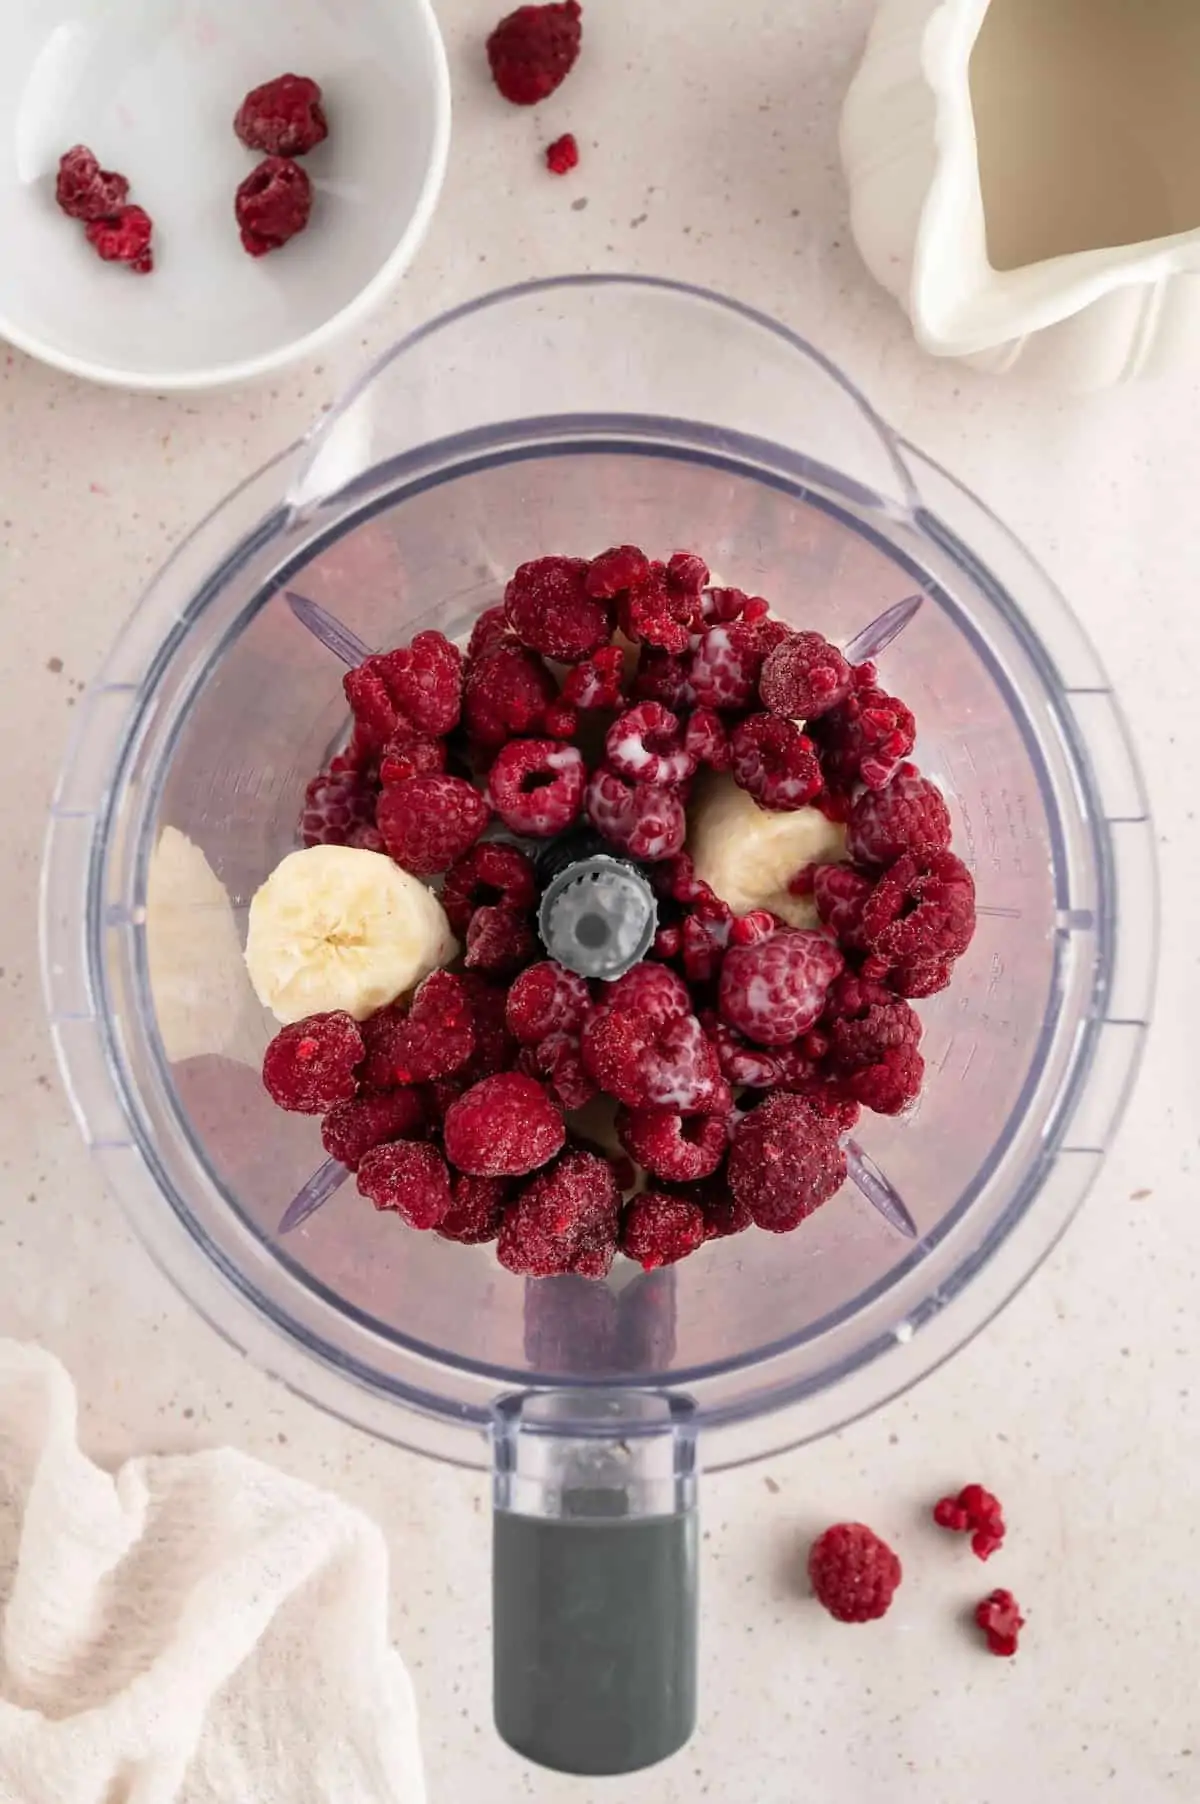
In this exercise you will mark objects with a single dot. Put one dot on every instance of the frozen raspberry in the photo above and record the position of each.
(664, 676)
(500, 941)
(668, 942)
(352, 1128)
(438, 1035)
(645, 1064)
(309, 1066)
(671, 1145)
(506, 694)
(533, 49)
(824, 1099)
(337, 804)
(706, 740)
(660, 1229)
(651, 991)
(645, 744)
(550, 610)
(502, 1127)
(719, 606)
(773, 761)
(775, 990)
(536, 786)
(404, 758)
(429, 822)
(785, 1161)
(908, 815)
(759, 924)
(863, 1020)
(476, 1210)
(124, 237)
(999, 1616)
(561, 720)
(495, 1048)
(596, 683)
(563, 155)
(565, 1220)
(489, 632)
(616, 570)
(840, 895)
(918, 919)
(804, 677)
(557, 1061)
(677, 879)
(410, 1178)
(282, 118)
(687, 573)
(724, 1216)
(84, 190)
(382, 1035)
(272, 205)
(424, 681)
(707, 930)
(740, 1062)
(725, 666)
(376, 721)
(854, 1574)
(641, 819)
(975, 1512)
(655, 609)
(548, 999)
(489, 873)
(864, 739)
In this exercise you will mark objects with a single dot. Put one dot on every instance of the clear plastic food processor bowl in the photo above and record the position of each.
(567, 416)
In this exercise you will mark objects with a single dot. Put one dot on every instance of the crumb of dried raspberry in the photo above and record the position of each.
(548, 999)
(596, 683)
(687, 572)
(84, 190)
(489, 873)
(775, 990)
(725, 665)
(784, 1162)
(565, 1220)
(282, 118)
(642, 819)
(438, 1035)
(352, 1128)
(309, 1066)
(909, 814)
(774, 762)
(503, 1126)
(338, 803)
(489, 632)
(976, 1512)
(404, 758)
(864, 739)
(854, 1574)
(429, 822)
(670, 1145)
(409, 1178)
(660, 1229)
(550, 610)
(123, 237)
(563, 155)
(476, 1210)
(506, 694)
(741, 1063)
(533, 49)
(500, 941)
(495, 1048)
(663, 676)
(424, 681)
(999, 1616)
(651, 991)
(804, 677)
(558, 1062)
(644, 1064)
(646, 745)
(920, 913)
(536, 786)
(272, 205)
(840, 894)
(706, 740)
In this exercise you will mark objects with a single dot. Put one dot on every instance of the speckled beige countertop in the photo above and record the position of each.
(708, 136)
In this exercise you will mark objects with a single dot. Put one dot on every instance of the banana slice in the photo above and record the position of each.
(194, 951)
(747, 853)
(336, 928)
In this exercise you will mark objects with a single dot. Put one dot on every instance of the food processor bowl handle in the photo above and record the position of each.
(594, 1577)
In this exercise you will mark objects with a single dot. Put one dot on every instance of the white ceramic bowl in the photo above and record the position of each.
(151, 86)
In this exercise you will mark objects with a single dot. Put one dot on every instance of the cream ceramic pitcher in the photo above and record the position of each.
(1025, 178)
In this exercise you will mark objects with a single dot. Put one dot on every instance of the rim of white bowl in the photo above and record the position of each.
(368, 297)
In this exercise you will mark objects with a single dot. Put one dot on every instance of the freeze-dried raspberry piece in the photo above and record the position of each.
(565, 1220)
(706, 740)
(550, 610)
(309, 1065)
(563, 155)
(352, 1128)
(920, 913)
(725, 665)
(123, 237)
(976, 1512)
(272, 205)
(909, 814)
(438, 1035)
(644, 1064)
(664, 676)
(558, 1062)
(339, 803)
(404, 758)
(409, 1178)
(499, 941)
(784, 1162)
(999, 1616)
(489, 873)
(671, 1145)
(495, 1048)
(596, 683)
(536, 786)
(645, 744)
(282, 118)
(854, 1574)
(548, 999)
(773, 761)
(489, 632)
(864, 739)
(804, 677)
(660, 1229)
(429, 822)
(533, 49)
(775, 990)
(506, 694)
(642, 819)
(840, 894)
(425, 681)
(84, 190)
(476, 1210)
(651, 991)
(502, 1127)
(741, 1063)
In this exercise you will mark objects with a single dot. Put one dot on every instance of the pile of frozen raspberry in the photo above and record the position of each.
(737, 1056)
